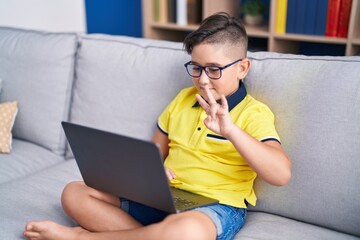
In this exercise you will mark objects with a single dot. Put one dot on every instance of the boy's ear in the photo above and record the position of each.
(245, 65)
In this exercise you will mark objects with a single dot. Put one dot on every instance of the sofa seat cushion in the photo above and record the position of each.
(263, 226)
(25, 158)
(36, 197)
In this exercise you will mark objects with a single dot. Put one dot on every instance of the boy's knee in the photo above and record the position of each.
(72, 188)
(189, 226)
(71, 192)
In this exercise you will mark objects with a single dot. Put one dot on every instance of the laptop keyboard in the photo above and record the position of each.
(181, 202)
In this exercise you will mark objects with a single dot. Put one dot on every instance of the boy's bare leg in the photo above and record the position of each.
(188, 225)
(94, 210)
(100, 217)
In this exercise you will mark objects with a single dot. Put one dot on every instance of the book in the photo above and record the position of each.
(181, 12)
(281, 10)
(300, 16)
(291, 16)
(194, 11)
(172, 11)
(321, 15)
(332, 19)
(156, 10)
(163, 11)
(310, 17)
(344, 17)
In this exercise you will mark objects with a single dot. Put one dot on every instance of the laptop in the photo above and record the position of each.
(128, 168)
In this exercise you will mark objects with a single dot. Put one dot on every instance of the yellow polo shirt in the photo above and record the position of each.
(206, 163)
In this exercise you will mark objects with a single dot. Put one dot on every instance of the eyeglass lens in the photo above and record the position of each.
(196, 71)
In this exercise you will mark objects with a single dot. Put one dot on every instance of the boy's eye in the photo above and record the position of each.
(195, 68)
(213, 69)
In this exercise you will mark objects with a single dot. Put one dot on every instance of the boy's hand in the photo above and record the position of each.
(170, 174)
(218, 119)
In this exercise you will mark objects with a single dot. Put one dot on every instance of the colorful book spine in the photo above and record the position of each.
(332, 18)
(300, 16)
(172, 11)
(321, 15)
(181, 12)
(194, 11)
(156, 10)
(163, 11)
(344, 17)
(310, 18)
(291, 16)
(281, 10)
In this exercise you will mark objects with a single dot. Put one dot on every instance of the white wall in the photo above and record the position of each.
(48, 15)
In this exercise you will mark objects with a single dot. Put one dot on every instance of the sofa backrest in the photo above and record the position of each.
(123, 84)
(316, 104)
(37, 71)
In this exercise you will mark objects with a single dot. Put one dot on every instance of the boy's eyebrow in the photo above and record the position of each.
(207, 64)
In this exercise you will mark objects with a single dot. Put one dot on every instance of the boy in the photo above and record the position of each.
(215, 139)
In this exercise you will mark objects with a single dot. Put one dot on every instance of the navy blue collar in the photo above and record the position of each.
(234, 99)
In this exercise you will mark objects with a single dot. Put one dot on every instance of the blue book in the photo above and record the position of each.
(291, 16)
(310, 19)
(300, 16)
(321, 15)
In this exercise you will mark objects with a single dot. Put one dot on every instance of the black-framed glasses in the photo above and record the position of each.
(213, 72)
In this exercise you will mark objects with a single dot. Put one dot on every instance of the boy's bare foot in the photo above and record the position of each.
(50, 230)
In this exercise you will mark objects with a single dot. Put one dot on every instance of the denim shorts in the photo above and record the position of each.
(227, 219)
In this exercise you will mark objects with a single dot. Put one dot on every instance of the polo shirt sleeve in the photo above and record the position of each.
(163, 120)
(259, 123)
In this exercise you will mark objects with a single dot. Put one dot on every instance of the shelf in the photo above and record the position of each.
(174, 26)
(252, 31)
(356, 41)
(260, 37)
(258, 31)
(310, 38)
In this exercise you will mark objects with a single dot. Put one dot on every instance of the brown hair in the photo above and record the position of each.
(216, 29)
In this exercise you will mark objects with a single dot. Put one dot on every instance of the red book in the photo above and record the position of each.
(344, 16)
(332, 19)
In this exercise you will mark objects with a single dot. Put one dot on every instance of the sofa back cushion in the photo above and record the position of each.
(316, 105)
(123, 84)
(37, 71)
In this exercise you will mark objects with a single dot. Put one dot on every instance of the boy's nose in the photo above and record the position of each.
(204, 79)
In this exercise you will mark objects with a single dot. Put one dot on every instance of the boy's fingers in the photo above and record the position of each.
(170, 174)
(224, 103)
(202, 102)
(209, 109)
(209, 95)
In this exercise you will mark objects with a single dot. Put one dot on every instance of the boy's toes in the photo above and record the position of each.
(33, 230)
(31, 235)
(28, 227)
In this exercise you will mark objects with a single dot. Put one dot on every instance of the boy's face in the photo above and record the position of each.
(219, 55)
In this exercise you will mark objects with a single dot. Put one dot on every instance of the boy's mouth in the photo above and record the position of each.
(203, 89)
(204, 94)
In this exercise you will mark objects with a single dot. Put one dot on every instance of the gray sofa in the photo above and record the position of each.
(122, 84)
